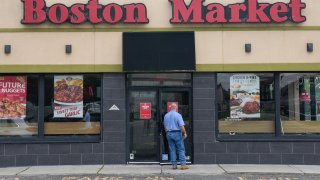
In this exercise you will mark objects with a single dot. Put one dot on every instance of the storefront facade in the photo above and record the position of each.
(88, 82)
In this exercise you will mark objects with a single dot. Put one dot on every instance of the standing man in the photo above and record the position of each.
(174, 126)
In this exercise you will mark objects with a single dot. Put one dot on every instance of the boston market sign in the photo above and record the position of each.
(249, 11)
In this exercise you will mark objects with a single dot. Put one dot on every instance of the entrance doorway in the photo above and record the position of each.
(147, 107)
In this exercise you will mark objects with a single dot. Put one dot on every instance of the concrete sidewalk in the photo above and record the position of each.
(140, 170)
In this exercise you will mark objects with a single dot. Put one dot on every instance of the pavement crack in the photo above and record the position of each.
(23, 170)
(100, 169)
(222, 168)
(297, 169)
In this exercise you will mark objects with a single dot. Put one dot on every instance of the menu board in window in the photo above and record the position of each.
(244, 96)
(68, 96)
(13, 94)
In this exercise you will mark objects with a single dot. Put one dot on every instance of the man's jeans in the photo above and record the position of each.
(175, 142)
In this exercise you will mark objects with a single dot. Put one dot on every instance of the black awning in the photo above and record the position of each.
(159, 51)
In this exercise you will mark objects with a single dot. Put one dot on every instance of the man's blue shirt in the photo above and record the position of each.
(172, 121)
(87, 117)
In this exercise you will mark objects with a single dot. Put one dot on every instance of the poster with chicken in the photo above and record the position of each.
(13, 97)
(244, 96)
(68, 96)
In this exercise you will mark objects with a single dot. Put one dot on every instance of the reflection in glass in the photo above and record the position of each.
(182, 100)
(85, 123)
(246, 103)
(143, 128)
(300, 103)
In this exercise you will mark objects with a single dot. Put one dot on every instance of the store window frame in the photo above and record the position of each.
(277, 135)
(40, 137)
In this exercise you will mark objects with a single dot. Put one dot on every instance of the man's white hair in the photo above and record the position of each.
(173, 106)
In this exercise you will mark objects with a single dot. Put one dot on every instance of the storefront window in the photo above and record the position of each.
(18, 105)
(72, 105)
(300, 103)
(246, 103)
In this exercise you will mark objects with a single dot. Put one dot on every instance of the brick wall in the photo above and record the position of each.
(203, 118)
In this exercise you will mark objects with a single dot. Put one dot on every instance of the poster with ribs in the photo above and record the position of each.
(68, 96)
(13, 94)
(245, 96)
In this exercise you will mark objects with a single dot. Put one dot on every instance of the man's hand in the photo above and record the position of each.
(184, 132)
(185, 136)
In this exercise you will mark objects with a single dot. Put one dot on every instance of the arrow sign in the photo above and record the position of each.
(114, 108)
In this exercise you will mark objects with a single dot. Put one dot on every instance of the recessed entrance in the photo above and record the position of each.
(147, 106)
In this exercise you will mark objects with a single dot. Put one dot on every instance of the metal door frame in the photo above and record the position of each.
(190, 130)
(158, 91)
(128, 132)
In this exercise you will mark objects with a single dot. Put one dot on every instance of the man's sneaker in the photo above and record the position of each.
(174, 167)
(184, 167)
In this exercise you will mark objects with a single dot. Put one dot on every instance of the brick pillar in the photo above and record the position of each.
(114, 122)
(203, 117)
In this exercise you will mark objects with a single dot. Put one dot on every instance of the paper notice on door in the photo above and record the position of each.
(145, 110)
(165, 157)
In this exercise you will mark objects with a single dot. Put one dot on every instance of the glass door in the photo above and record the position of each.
(182, 98)
(147, 107)
(144, 126)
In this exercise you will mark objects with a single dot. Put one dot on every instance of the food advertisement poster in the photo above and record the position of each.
(317, 82)
(68, 96)
(169, 106)
(245, 96)
(145, 110)
(13, 94)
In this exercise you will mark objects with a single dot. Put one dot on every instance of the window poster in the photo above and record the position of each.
(169, 106)
(68, 96)
(13, 97)
(317, 83)
(145, 110)
(244, 96)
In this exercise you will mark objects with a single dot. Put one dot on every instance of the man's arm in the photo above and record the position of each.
(183, 131)
(181, 125)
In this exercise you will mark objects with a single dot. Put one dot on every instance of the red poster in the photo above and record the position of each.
(13, 94)
(304, 96)
(145, 110)
(169, 106)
